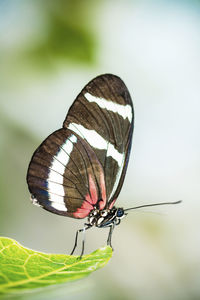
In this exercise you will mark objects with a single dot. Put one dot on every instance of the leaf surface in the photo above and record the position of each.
(23, 269)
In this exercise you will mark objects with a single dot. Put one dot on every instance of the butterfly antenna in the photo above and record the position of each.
(154, 204)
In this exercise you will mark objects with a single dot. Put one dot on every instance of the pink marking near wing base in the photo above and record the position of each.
(85, 208)
(87, 205)
(93, 190)
(112, 204)
(102, 203)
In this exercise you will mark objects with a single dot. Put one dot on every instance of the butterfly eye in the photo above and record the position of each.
(120, 212)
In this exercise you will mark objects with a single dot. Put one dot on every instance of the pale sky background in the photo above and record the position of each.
(154, 47)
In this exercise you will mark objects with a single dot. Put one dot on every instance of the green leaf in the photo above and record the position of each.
(23, 269)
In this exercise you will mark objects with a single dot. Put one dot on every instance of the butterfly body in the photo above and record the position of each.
(105, 217)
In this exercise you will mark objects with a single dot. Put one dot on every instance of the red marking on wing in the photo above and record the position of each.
(85, 209)
(112, 203)
(91, 200)
(93, 190)
(102, 203)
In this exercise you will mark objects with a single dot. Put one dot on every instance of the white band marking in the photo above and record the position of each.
(117, 179)
(58, 206)
(123, 110)
(96, 141)
(58, 165)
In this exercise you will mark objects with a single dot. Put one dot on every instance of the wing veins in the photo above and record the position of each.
(65, 176)
(74, 162)
(71, 159)
(113, 131)
(90, 160)
(54, 171)
(115, 168)
(71, 187)
(102, 113)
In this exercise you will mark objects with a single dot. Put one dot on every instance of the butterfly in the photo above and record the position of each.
(78, 170)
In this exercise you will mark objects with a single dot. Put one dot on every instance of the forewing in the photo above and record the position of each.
(102, 115)
(65, 176)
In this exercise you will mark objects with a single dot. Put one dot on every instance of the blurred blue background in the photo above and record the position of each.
(48, 51)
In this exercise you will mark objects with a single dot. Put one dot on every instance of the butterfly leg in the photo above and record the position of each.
(86, 226)
(110, 235)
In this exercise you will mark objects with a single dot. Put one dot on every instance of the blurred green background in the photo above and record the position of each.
(48, 51)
